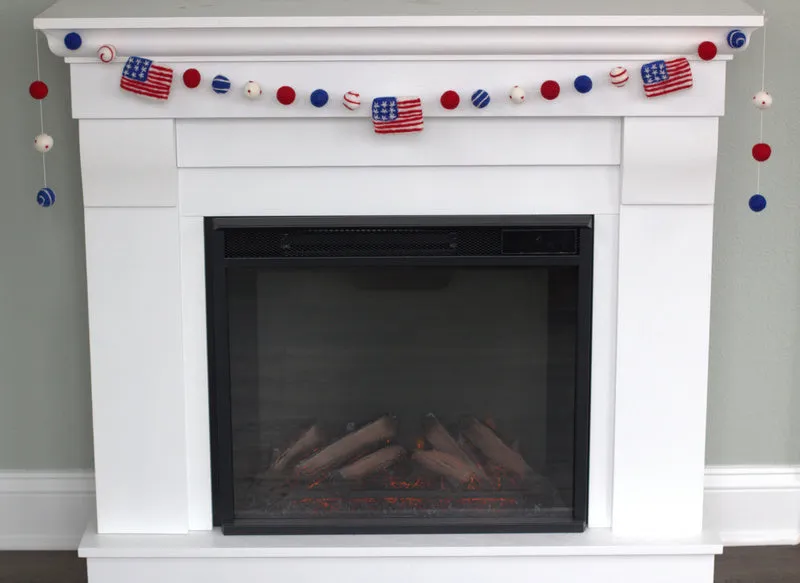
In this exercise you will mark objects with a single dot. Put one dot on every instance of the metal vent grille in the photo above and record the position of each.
(253, 243)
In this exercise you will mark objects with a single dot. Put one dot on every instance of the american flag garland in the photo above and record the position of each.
(143, 77)
(397, 115)
(665, 77)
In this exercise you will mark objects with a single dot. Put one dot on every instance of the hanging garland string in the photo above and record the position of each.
(761, 151)
(43, 142)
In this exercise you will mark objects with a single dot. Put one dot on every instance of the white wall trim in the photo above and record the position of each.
(746, 505)
(753, 505)
(44, 510)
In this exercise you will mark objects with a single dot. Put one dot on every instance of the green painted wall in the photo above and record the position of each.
(754, 415)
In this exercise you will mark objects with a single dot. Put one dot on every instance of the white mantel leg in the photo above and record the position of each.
(663, 324)
(134, 286)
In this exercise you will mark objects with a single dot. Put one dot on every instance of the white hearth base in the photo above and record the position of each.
(208, 557)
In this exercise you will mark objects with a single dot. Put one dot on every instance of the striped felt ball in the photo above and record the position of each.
(619, 76)
(352, 100)
(481, 99)
(221, 84)
(737, 39)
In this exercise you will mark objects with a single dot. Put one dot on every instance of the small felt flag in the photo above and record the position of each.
(664, 77)
(397, 115)
(144, 77)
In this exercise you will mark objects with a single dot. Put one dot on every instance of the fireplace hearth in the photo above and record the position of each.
(390, 375)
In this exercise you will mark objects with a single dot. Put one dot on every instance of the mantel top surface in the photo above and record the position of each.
(266, 13)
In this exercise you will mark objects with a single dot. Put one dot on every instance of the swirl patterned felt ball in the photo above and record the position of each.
(737, 39)
(481, 99)
(46, 197)
(221, 84)
(106, 53)
(619, 76)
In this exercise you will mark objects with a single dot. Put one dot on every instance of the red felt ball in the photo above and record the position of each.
(450, 100)
(286, 95)
(550, 90)
(707, 50)
(191, 78)
(762, 152)
(38, 90)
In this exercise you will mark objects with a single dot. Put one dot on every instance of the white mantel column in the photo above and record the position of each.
(665, 239)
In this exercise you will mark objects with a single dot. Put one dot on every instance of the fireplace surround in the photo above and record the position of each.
(643, 171)
(364, 371)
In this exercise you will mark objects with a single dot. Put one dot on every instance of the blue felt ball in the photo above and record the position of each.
(583, 84)
(221, 84)
(73, 41)
(319, 97)
(46, 197)
(480, 99)
(757, 203)
(737, 39)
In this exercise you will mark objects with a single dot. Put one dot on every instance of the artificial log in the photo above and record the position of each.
(347, 447)
(303, 446)
(493, 448)
(442, 441)
(374, 462)
(444, 464)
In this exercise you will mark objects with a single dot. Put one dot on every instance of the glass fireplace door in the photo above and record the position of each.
(389, 377)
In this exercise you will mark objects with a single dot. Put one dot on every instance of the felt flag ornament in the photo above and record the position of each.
(665, 77)
(397, 115)
(143, 77)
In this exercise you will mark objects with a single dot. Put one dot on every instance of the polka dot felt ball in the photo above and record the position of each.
(252, 90)
(46, 197)
(517, 94)
(43, 143)
(319, 98)
(583, 84)
(550, 90)
(707, 50)
(450, 99)
(38, 90)
(285, 95)
(757, 203)
(762, 100)
(737, 39)
(762, 152)
(221, 84)
(106, 53)
(481, 99)
(73, 41)
(192, 78)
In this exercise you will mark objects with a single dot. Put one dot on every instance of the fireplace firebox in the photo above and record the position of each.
(399, 374)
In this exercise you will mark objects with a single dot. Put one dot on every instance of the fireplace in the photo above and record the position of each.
(399, 374)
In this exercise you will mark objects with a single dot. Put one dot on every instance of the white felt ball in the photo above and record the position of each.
(43, 143)
(106, 53)
(352, 100)
(619, 76)
(252, 90)
(762, 100)
(517, 94)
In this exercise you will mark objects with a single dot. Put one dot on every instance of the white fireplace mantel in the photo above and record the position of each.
(645, 169)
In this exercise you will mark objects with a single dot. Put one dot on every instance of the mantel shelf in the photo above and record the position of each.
(248, 28)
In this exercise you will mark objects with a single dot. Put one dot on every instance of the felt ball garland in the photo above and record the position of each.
(106, 53)
(762, 100)
(43, 142)
(481, 98)
(583, 84)
(192, 78)
(450, 99)
(737, 39)
(707, 50)
(319, 98)
(550, 90)
(73, 41)
(285, 95)
(351, 100)
(220, 85)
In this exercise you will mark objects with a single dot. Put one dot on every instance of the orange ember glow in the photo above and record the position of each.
(420, 443)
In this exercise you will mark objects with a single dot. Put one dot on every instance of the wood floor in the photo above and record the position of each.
(737, 565)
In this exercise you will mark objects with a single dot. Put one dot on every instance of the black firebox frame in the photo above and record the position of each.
(551, 240)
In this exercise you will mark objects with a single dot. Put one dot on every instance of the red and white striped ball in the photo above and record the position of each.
(619, 76)
(351, 100)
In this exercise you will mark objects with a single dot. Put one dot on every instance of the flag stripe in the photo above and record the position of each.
(138, 88)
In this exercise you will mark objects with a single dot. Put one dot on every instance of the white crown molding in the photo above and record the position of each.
(388, 41)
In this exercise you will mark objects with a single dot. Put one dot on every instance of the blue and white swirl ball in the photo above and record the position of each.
(737, 39)
(46, 197)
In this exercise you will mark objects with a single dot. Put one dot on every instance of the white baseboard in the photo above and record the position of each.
(753, 505)
(745, 505)
(44, 510)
